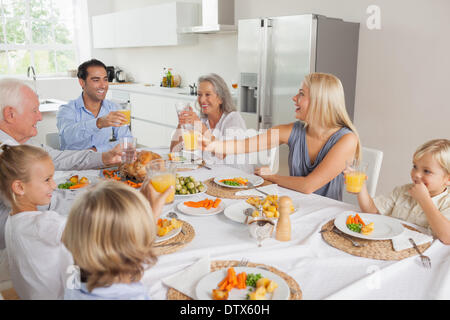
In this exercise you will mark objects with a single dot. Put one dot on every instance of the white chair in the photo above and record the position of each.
(52, 140)
(373, 158)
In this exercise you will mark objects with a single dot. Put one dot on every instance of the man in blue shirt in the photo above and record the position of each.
(90, 121)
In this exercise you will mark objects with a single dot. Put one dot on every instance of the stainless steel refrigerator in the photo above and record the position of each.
(275, 54)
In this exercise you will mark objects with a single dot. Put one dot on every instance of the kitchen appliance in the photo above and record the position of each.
(120, 75)
(275, 54)
(111, 73)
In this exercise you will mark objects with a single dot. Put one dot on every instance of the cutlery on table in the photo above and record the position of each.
(169, 244)
(344, 235)
(250, 185)
(426, 261)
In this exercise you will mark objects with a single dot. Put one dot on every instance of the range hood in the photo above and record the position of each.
(217, 17)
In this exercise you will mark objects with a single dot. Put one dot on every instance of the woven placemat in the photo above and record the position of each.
(173, 294)
(223, 192)
(374, 249)
(167, 247)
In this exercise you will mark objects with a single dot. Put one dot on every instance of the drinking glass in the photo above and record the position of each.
(126, 111)
(260, 228)
(162, 175)
(181, 106)
(128, 145)
(355, 175)
(190, 138)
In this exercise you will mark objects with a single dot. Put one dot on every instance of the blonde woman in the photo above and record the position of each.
(110, 232)
(319, 143)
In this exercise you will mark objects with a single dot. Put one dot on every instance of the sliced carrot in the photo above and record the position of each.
(78, 186)
(349, 220)
(360, 220)
(229, 287)
(224, 284)
(216, 203)
(209, 204)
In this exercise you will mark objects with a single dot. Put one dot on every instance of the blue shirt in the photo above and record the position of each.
(300, 165)
(78, 129)
(117, 291)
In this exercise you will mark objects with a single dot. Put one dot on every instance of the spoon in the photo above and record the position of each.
(174, 215)
(248, 213)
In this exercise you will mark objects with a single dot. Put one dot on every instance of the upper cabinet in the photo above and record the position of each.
(155, 25)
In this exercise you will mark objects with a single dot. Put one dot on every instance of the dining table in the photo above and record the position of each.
(320, 270)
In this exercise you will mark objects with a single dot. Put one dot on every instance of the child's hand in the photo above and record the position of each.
(156, 199)
(419, 191)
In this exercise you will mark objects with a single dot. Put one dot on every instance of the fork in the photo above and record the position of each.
(426, 261)
(243, 263)
(354, 243)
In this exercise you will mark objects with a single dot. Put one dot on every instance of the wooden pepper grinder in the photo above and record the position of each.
(283, 232)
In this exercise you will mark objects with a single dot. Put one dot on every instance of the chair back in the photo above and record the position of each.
(52, 140)
(373, 158)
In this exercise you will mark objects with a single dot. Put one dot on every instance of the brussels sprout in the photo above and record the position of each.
(190, 185)
(183, 191)
(178, 187)
(201, 188)
(197, 183)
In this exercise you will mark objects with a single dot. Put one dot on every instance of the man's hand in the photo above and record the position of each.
(113, 156)
(419, 191)
(112, 119)
(156, 199)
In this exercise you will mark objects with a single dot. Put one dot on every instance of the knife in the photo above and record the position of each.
(202, 164)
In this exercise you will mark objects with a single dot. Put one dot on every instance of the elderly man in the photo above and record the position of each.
(19, 114)
(87, 122)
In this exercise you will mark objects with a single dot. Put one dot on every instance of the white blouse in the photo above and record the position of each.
(38, 260)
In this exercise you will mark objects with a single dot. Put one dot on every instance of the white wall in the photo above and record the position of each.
(402, 81)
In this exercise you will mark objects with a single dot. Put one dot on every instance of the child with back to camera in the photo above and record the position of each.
(425, 202)
(110, 233)
(37, 258)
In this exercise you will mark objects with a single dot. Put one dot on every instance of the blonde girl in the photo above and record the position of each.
(319, 143)
(37, 258)
(425, 201)
(110, 233)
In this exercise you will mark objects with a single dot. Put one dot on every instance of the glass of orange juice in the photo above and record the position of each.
(355, 176)
(190, 138)
(126, 113)
(162, 175)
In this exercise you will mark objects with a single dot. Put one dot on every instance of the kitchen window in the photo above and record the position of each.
(39, 33)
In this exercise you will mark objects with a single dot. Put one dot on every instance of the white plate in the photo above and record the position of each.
(235, 212)
(205, 286)
(92, 180)
(200, 211)
(257, 181)
(385, 228)
(168, 235)
(191, 195)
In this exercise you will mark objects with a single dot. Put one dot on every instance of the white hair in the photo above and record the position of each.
(11, 95)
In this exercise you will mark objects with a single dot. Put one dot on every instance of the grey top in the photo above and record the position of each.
(300, 164)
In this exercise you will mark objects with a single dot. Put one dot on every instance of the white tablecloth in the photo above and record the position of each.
(322, 271)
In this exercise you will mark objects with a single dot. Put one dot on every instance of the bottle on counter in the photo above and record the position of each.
(169, 78)
(164, 78)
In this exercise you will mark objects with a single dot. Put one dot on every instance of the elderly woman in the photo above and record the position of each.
(218, 116)
(319, 143)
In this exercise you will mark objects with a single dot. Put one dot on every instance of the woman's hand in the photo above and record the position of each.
(157, 200)
(265, 173)
(188, 117)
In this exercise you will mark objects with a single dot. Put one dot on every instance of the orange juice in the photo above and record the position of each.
(354, 181)
(162, 182)
(190, 140)
(126, 113)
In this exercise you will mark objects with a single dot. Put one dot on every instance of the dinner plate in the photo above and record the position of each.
(169, 235)
(385, 228)
(235, 211)
(92, 180)
(255, 180)
(200, 211)
(191, 195)
(205, 286)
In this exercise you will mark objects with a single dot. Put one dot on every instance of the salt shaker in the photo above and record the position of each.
(283, 231)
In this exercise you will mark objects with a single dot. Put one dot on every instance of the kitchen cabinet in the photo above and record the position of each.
(155, 25)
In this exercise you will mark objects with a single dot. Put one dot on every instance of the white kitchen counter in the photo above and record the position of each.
(154, 90)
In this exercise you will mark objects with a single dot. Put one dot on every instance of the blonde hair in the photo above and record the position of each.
(327, 104)
(440, 151)
(15, 165)
(110, 232)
